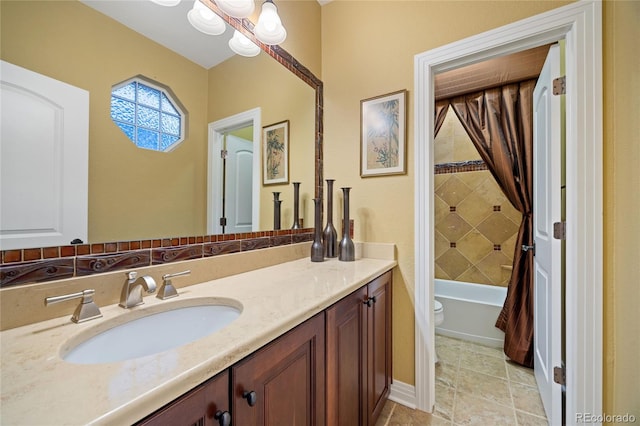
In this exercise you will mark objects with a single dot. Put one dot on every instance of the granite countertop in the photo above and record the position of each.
(38, 387)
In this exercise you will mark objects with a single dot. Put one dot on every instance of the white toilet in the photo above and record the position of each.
(438, 313)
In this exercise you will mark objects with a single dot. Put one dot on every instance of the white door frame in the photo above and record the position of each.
(217, 129)
(580, 24)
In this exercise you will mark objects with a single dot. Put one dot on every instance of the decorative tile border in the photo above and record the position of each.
(96, 264)
(462, 166)
(54, 263)
(44, 270)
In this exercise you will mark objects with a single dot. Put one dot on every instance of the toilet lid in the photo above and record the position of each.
(437, 306)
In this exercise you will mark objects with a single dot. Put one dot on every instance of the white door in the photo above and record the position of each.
(546, 211)
(44, 140)
(238, 188)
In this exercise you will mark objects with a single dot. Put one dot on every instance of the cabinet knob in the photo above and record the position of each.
(369, 301)
(223, 417)
(250, 396)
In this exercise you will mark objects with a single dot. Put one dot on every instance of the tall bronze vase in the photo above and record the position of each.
(330, 235)
(276, 210)
(296, 205)
(317, 249)
(346, 247)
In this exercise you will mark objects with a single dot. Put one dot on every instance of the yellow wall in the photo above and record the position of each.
(368, 50)
(622, 205)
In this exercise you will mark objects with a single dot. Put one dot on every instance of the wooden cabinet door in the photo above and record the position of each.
(378, 345)
(346, 360)
(197, 407)
(284, 381)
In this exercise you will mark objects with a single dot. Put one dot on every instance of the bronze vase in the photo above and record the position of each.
(346, 247)
(276, 210)
(330, 235)
(317, 249)
(296, 205)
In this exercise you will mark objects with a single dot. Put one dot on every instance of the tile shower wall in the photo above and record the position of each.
(475, 225)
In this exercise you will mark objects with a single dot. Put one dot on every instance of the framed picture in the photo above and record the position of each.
(275, 155)
(383, 141)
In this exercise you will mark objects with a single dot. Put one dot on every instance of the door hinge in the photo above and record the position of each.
(560, 85)
(223, 153)
(559, 376)
(223, 221)
(560, 230)
(526, 248)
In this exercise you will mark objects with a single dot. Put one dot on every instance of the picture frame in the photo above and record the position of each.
(383, 136)
(275, 153)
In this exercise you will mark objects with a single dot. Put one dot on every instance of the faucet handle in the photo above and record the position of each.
(86, 310)
(167, 291)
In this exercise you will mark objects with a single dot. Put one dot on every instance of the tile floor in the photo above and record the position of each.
(475, 385)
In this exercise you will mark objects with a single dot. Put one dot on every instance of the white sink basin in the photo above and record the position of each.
(152, 333)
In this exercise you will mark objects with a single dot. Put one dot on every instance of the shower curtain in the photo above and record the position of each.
(500, 124)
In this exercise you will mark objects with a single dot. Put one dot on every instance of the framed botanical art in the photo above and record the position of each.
(275, 155)
(383, 140)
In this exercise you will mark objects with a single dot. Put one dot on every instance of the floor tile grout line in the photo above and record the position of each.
(393, 408)
(513, 405)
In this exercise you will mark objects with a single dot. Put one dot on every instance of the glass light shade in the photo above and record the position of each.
(242, 45)
(203, 19)
(269, 29)
(166, 2)
(236, 8)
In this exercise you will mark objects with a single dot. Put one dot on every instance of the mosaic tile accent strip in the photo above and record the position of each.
(461, 166)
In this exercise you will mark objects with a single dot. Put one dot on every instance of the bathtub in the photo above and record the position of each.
(470, 311)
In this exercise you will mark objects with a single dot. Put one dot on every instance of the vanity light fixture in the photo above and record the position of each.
(168, 3)
(242, 45)
(203, 19)
(236, 8)
(269, 29)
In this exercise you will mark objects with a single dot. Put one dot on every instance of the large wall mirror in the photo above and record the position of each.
(137, 194)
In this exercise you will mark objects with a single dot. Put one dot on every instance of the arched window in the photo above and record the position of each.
(148, 113)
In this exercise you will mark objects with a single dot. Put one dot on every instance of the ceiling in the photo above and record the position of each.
(169, 27)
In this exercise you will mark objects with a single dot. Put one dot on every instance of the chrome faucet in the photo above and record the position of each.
(132, 291)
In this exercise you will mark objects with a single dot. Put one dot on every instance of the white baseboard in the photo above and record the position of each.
(403, 393)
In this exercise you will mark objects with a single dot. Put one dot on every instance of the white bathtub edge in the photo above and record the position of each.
(467, 318)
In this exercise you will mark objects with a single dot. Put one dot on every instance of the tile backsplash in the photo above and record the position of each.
(55, 263)
(475, 224)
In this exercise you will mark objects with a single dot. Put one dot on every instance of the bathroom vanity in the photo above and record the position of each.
(287, 382)
(313, 339)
